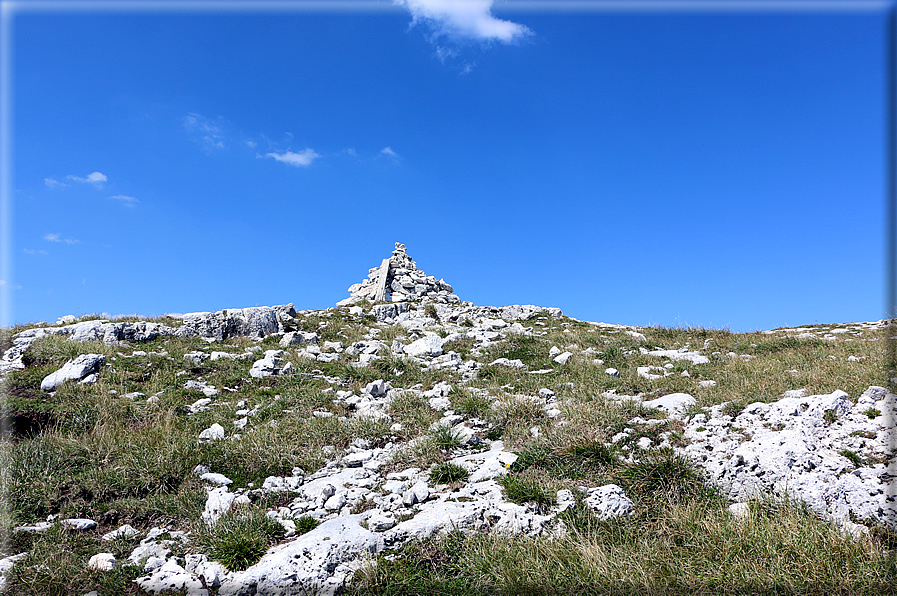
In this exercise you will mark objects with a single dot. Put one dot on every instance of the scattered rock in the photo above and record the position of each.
(213, 433)
(79, 524)
(102, 562)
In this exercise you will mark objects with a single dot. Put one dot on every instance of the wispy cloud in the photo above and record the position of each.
(388, 153)
(31, 251)
(301, 159)
(251, 144)
(96, 178)
(462, 20)
(51, 183)
(351, 151)
(6, 284)
(125, 200)
(59, 238)
(206, 133)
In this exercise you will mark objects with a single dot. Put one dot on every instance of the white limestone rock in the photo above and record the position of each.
(515, 363)
(213, 433)
(73, 370)
(102, 562)
(6, 565)
(207, 390)
(563, 357)
(79, 524)
(318, 562)
(298, 338)
(794, 448)
(218, 502)
(608, 501)
(170, 577)
(672, 403)
(216, 479)
(430, 345)
(271, 364)
(124, 531)
(681, 354)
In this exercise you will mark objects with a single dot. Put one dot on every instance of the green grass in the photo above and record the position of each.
(240, 538)
(447, 472)
(521, 489)
(88, 452)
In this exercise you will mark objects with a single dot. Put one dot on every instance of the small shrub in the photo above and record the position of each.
(447, 472)
(430, 311)
(872, 413)
(830, 416)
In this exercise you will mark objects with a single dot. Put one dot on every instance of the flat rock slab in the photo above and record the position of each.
(73, 370)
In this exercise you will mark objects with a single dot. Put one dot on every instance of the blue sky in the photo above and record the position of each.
(673, 168)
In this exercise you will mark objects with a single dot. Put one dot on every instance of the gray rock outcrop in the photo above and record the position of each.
(254, 322)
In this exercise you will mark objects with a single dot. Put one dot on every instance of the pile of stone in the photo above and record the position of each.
(398, 279)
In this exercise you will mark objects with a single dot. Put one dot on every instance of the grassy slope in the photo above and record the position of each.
(117, 460)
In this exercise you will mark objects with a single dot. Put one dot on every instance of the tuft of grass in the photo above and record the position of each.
(526, 489)
(240, 538)
(853, 457)
(661, 473)
(872, 413)
(471, 405)
(447, 472)
(445, 438)
(830, 416)
(306, 524)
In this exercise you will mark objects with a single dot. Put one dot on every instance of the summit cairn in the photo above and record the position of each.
(398, 279)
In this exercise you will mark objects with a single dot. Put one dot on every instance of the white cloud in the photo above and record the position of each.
(30, 251)
(388, 152)
(351, 151)
(301, 159)
(125, 200)
(6, 284)
(463, 20)
(251, 144)
(205, 132)
(58, 238)
(96, 178)
(51, 183)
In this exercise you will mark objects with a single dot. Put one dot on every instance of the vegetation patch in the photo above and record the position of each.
(240, 538)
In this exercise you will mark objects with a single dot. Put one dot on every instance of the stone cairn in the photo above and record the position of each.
(398, 279)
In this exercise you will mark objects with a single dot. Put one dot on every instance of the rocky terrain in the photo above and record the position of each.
(270, 450)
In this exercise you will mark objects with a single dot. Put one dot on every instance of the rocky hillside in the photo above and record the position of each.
(424, 443)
